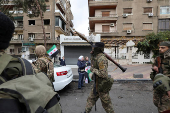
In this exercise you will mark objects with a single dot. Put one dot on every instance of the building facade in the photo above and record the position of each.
(119, 21)
(73, 46)
(29, 33)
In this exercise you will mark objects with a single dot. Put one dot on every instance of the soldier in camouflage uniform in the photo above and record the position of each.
(43, 63)
(162, 100)
(99, 68)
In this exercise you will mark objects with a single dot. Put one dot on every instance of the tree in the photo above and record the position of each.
(33, 8)
(151, 42)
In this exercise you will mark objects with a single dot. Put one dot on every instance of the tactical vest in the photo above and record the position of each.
(102, 84)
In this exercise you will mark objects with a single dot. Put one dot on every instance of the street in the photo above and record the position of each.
(129, 97)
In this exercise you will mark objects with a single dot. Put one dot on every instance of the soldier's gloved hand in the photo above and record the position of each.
(91, 69)
(94, 70)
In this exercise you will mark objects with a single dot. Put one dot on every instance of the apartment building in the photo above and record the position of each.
(118, 21)
(29, 33)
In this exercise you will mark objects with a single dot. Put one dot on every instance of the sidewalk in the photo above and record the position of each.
(144, 69)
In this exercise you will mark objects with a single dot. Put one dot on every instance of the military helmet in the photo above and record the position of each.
(40, 51)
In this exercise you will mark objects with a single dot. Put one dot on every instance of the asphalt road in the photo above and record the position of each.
(132, 97)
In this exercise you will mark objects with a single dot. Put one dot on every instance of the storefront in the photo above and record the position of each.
(72, 47)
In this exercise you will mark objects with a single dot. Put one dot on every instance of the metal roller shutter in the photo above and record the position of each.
(71, 53)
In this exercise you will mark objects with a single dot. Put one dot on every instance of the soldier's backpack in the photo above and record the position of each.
(25, 92)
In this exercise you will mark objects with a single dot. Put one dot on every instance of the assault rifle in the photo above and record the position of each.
(107, 56)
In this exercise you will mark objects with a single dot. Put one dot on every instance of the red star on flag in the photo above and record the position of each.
(51, 52)
(54, 49)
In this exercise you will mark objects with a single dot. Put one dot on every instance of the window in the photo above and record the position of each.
(105, 13)
(11, 51)
(19, 50)
(59, 22)
(46, 21)
(105, 28)
(165, 10)
(47, 35)
(147, 10)
(163, 25)
(127, 26)
(127, 10)
(31, 22)
(48, 8)
(46, 0)
(147, 26)
(20, 23)
(20, 36)
(31, 35)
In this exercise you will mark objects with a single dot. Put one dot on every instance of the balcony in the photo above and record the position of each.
(106, 32)
(20, 12)
(60, 30)
(58, 13)
(61, 6)
(102, 17)
(102, 3)
(18, 27)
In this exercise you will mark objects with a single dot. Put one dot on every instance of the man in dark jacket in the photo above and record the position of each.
(62, 61)
(81, 70)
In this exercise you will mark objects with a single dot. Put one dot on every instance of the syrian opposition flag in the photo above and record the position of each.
(53, 51)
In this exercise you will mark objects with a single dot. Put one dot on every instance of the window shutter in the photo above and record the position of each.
(105, 28)
(105, 13)
(127, 26)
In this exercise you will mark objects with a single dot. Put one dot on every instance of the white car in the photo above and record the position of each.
(63, 76)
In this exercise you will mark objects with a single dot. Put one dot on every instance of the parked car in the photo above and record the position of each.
(63, 76)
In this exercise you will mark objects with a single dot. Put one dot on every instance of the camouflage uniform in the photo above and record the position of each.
(162, 101)
(45, 65)
(100, 65)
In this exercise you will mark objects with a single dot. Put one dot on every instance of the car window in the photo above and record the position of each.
(57, 65)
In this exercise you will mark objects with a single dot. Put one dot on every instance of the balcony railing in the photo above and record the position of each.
(19, 25)
(106, 31)
(105, 16)
(16, 12)
(106, 0)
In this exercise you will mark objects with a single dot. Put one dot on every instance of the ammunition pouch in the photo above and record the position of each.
(161, 83)
(105, 84)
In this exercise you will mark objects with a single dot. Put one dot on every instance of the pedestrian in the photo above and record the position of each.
(87, 70)
(43, 63)
(161, 65)
(81, 70)
(87, 61)
(101, 87)
(62, 61)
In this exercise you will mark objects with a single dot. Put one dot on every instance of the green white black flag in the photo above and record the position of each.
(53, 51)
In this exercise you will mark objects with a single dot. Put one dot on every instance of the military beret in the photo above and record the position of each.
(99, 44)
(166, 43)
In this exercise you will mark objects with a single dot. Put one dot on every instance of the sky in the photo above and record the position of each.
(80, 12)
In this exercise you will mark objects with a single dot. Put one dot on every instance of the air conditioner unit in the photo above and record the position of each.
(112, 25)
(129, 31)
(149, 0)
(124, 15)
(150, 14)
(31, 39)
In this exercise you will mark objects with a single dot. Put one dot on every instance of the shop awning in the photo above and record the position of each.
(18, 18)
